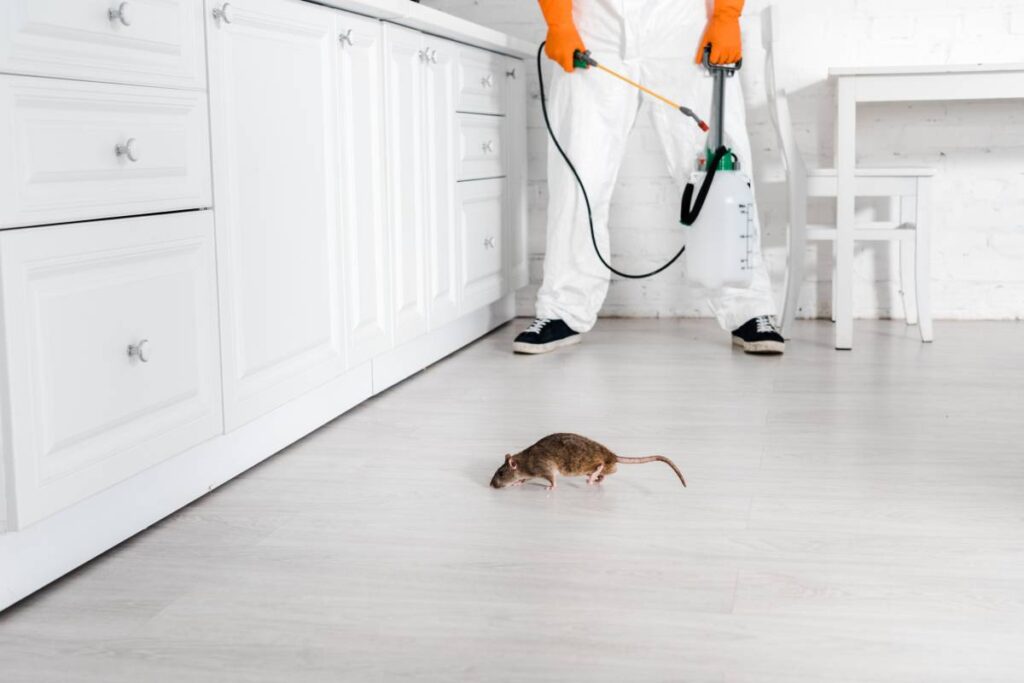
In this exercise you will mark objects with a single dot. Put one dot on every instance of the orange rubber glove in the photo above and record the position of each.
(563, 38)
(723, 33)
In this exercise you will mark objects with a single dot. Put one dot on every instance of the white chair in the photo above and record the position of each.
(908, 189)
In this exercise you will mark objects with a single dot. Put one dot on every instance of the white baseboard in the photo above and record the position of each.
(43, 552)
(397, 364)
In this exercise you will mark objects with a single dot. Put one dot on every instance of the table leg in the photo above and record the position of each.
(923, 251)
(846, 159)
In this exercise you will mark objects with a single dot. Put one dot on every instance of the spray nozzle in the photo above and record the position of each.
(700, 122)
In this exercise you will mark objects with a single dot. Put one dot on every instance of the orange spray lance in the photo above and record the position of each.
(584, 61)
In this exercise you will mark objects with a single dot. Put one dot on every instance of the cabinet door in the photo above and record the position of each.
(110, 334)
(273, 92)
(482, 214)
(516, 228)
(440, 92)
(405, 56)
(364, 233)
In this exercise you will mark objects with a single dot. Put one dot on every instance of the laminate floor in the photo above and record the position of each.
(850, 517)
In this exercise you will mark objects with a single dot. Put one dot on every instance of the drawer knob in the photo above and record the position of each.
(487, 81)
(129, 149)
(511, 73)
(489, 146)
(120, 13)
(222, 14)
(345, 38)
(489, 243)
(139, 351)
(424, 55)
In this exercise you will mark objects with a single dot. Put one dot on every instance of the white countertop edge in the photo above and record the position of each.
(922, 70)
(415, 15)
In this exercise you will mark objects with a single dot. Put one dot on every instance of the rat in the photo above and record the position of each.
(571, 455)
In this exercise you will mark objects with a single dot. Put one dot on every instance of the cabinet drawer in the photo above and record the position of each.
(481, 219)
(481, 82)
(481, 147)
(144, 42)
(110, 330)
(73, 151)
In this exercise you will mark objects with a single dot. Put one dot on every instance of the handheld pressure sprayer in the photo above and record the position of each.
(721, 217)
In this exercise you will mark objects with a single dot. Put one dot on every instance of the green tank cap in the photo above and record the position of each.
(729, 162)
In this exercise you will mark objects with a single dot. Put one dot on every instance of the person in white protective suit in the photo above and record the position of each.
(653, 42)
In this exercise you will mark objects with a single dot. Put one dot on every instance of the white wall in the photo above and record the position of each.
(977, 147)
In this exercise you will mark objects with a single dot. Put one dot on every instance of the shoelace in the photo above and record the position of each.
(766, 325)
(538, 325)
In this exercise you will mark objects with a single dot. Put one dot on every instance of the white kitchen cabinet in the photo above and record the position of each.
(274, 85)
(368, 198)
(440, 69)
(142, 42)
(515, 158)
(404, 111)
(423, 138)
(365, 237)
(76, 151)
(482, 217)
(482, 87)
(110, 331)
(482, 147)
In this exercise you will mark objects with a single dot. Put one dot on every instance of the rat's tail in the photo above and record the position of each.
(653, 458)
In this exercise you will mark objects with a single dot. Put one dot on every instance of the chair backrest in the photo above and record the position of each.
(778, 109)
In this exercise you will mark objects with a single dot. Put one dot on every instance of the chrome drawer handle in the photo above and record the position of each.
(120, 13)
(346, 37)
(489, 146)
(128, 149)
(433, 56)
(487, 81)
(221, 13)
(489, 243)
(511, 73)
(424, 55)
(139, 351)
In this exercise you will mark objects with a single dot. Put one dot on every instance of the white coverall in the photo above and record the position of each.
(652, 42)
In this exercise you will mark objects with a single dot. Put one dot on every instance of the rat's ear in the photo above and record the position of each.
(508, 456)
(512, 463)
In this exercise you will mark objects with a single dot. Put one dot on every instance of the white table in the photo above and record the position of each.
(896, 84)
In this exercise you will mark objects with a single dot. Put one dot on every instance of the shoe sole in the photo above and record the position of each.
(537, 349)
(760, 348)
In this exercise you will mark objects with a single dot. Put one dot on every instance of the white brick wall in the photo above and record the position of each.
(977, 147)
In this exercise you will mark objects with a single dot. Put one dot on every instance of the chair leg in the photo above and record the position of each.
(794, 273)
(833, 313)
(908, 274)
(923, 259)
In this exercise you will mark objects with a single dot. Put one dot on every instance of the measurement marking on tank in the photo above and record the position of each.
(748, 236)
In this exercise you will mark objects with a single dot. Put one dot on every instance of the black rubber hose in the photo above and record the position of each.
(586, 198)
(688, 215)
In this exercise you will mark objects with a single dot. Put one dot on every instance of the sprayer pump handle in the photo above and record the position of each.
(723, 68)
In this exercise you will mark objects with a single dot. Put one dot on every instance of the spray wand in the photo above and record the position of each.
(584, 60)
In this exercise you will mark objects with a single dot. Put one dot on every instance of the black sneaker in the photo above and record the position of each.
(760, 336)
(545, 335)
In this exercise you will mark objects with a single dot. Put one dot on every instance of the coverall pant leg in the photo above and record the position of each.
(592, 115)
